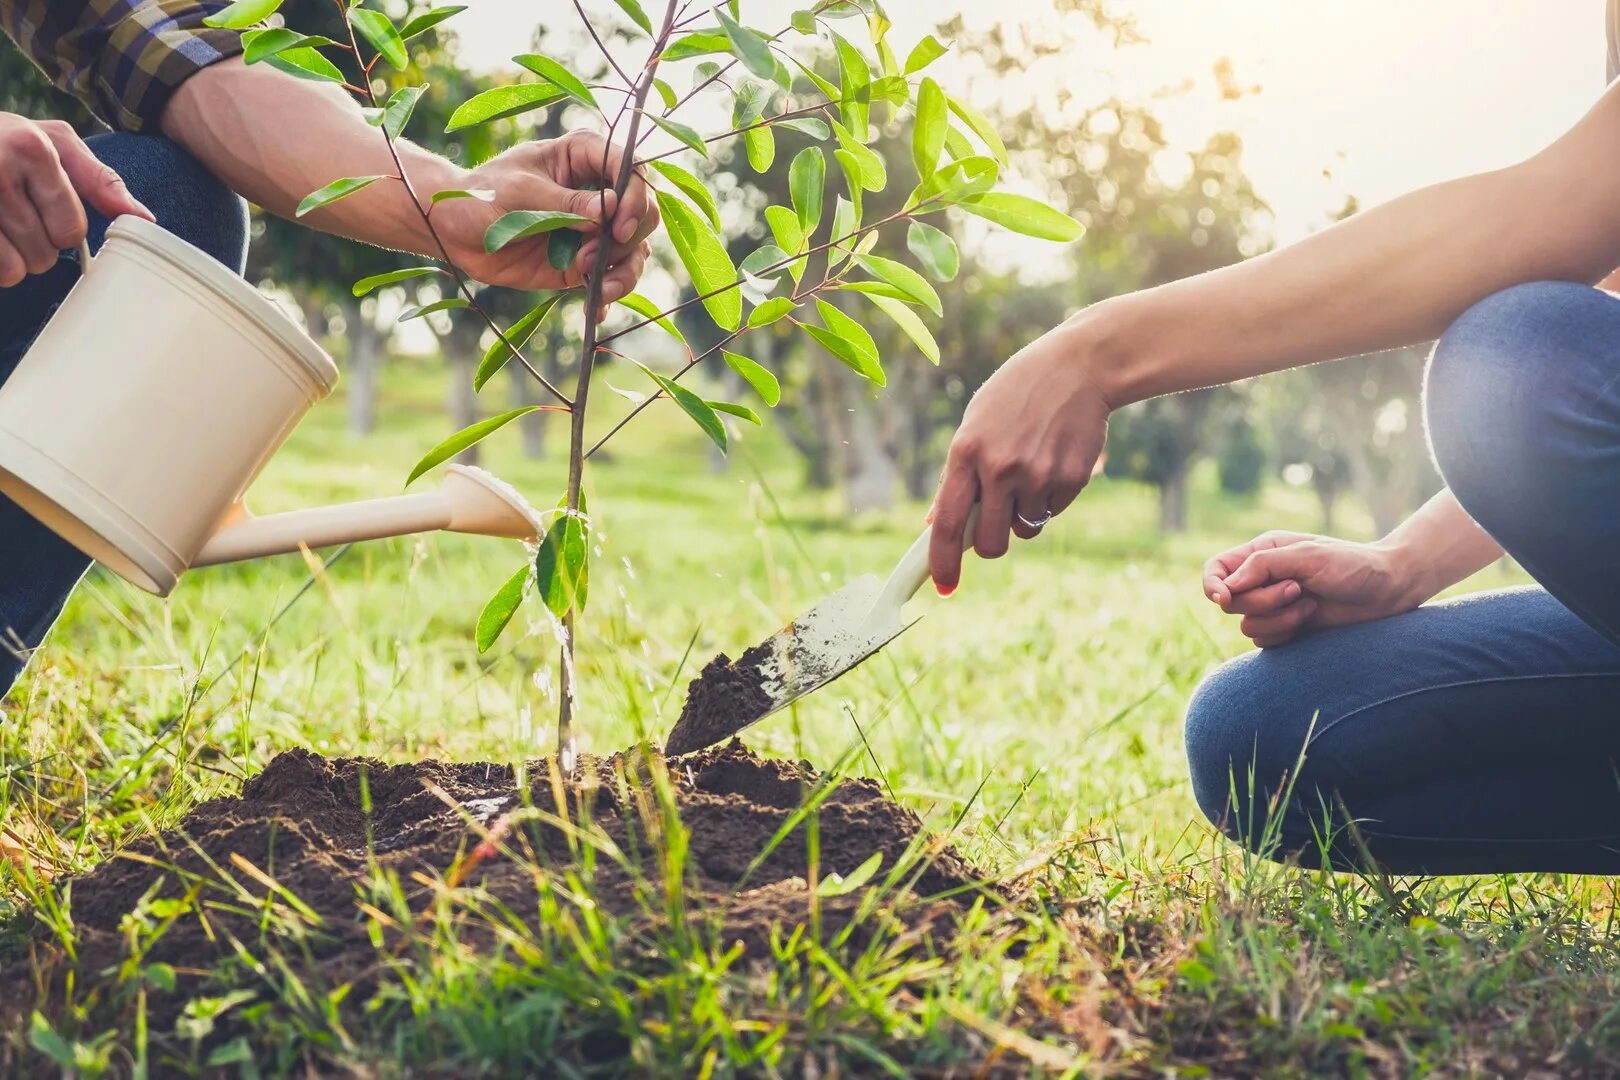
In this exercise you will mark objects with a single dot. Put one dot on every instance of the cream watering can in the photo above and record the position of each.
(153, 398)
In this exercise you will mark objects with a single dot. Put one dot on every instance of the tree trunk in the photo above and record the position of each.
(873, 473)
(1173, 503)
(1329, 500)
(525, 391)
(461, 355)
(365, 345)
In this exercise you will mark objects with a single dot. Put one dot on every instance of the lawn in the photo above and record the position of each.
(1035, 717)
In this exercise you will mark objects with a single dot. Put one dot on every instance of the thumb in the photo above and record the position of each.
(95, 182)
(1295, 561)
(598, 206)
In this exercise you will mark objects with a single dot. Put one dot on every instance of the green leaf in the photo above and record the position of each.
(770, 311)
(982, 127)
(956, 180)
(748, 103)
(449, 303)
(562, 247)
(334, 191)
(749, 47)
(520, 224)
(837, 885)
(742, 411)
(910, 325)
(43, 1037)
(804, 21)
(376, 281)
(260, 45)
(562, 565)
(559, 76)
(239, 1051)
(934, 249)
(876, 288)
(428, 20)
(761, 147)
(785, 227)
(306, 63)
(498, 355)
(694, 406)
(501, 607)
(467, 436)
(806, 177)
(871, 173)
(846, 219)
(957, 145)
(765, 260)
(685, 134)
(705, 259)
(378, 29)
(928, 132)
(832, 92)
(924, 53)
(805, 125)
(892, 89)
(691, 187)
(667, 92)
(501, 102)
(649, 310)
(905, 279)
(848, 340)
(637, 15)
(700, 43)
(855, 75)
(242, 14)
(755, 374)
(397, 113)
(481, 194)
(1024, 215)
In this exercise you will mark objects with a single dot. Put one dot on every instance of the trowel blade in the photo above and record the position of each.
(825, 642)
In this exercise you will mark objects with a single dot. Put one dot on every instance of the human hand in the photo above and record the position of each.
(574, 173)
(45, 172)
(1285, 584)
(1028, 443)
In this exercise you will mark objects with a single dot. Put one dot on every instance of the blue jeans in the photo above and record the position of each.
(39, 569)
(1480, 735)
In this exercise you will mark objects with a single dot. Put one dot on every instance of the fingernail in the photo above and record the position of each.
(145, 210)
(612, 291)
(1291, 590)
(1215, 596)
(944, 590)
(625, 229)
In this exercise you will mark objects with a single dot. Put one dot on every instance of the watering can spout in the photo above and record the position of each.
(469, 500)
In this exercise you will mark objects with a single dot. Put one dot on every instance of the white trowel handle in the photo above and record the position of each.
(912, 569)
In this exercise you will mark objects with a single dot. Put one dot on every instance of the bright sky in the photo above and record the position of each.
(1388, 94)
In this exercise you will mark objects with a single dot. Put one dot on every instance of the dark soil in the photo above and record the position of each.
(726, 697)
(303, 823)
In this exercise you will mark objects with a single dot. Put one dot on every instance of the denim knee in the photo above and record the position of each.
(1232, 753)
(1508, 386)
(186, 198)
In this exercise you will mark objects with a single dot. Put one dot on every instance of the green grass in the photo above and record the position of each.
(1039, 710)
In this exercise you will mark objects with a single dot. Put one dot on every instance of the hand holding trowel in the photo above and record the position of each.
(811, 651)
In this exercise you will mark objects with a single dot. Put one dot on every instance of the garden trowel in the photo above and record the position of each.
(811, 651)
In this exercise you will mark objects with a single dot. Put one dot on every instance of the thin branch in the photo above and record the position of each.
(606, 55)
(790, 114)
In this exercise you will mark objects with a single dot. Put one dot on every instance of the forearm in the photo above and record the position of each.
(1438, 546)
(1394, 275)
(275, 138)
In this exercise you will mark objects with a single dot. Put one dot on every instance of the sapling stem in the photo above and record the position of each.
(587, 356)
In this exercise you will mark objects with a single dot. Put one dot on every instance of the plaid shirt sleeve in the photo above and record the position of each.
(123, 58)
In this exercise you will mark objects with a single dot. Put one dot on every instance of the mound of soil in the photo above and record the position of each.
(304, 824)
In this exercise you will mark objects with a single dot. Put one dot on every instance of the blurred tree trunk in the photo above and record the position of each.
(1173, 499)
(365, 348)
(872, 473)
(461, 354)
(525, 391)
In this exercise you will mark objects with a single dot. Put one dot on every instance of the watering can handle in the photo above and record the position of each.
(84, 256)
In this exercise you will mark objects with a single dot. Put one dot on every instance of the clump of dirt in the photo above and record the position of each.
(726, 697)
(315, 831)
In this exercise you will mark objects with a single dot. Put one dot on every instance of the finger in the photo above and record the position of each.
(621, 280)
(12, 267)
(1272, 564)
(1282, 624)
(1029, 505)
(990, 537)
(95, 182)
(1266, 599)
(26, 232)
(634, 209)
(949, 515)
(61, 214)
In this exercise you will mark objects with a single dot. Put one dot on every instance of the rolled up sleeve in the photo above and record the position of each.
(123, 58)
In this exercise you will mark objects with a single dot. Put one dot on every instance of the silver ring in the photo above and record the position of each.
(1028, 524)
